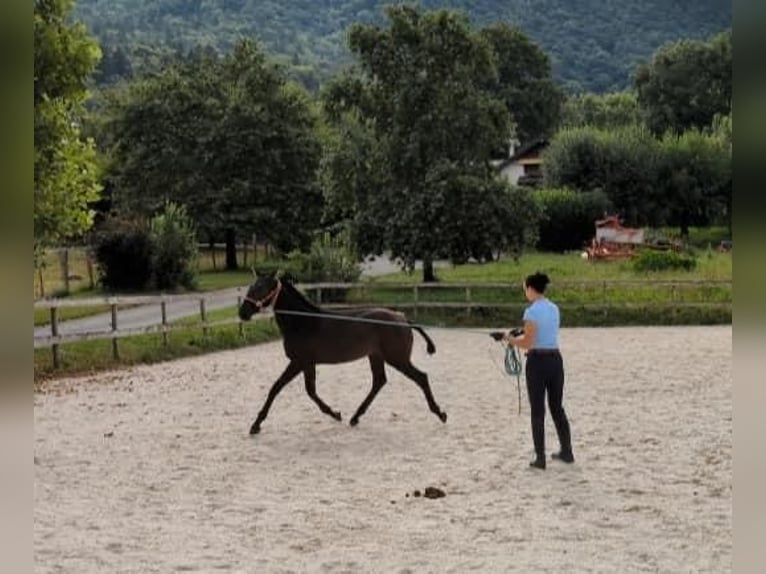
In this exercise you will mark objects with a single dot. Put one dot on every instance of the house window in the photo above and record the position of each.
(532, 169)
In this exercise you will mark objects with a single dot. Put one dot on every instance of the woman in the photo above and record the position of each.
(544, 368)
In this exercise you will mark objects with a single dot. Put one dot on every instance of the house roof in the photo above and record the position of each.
(528, 149)
(613, 222)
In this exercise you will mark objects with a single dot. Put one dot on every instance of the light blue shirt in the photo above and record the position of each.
(545, 315)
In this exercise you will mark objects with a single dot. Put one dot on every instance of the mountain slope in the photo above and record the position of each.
(594, 44)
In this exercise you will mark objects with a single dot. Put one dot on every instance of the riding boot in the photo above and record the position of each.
(538, 437)
(565, 439)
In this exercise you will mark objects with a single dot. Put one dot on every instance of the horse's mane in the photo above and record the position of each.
(304, 303)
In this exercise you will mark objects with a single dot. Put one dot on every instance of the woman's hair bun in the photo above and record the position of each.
(538, 281)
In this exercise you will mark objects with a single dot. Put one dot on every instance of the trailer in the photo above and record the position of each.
(613, 241)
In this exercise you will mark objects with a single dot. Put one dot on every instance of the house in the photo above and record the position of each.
(524, 164)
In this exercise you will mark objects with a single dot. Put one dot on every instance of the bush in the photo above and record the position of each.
(568, 218)
(331, 259)
(134, 255)
(663, 261)
(175, 248)
(124, 251)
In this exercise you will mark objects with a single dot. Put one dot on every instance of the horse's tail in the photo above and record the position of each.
(430, 347)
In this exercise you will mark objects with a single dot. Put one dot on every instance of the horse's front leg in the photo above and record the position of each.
(289, 374)
(378, 380)
(310, 376)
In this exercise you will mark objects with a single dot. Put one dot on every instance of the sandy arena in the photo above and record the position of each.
(151, 469)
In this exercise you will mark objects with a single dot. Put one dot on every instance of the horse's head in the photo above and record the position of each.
(261, 294)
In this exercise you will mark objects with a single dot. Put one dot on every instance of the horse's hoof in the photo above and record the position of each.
(443, 416)
(337, 416)
(353, 422)
(255, 429)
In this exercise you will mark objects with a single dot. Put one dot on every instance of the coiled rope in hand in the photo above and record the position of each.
(513, 367)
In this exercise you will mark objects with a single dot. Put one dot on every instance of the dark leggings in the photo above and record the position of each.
(545, 372)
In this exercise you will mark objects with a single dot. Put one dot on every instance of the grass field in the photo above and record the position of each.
(561, 268)
(212, 276)
(623, 297)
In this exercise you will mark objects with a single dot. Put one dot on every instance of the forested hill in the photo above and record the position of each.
(595, 44)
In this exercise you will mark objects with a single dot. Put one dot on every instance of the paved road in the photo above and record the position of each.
(145, 315)
(148, 315)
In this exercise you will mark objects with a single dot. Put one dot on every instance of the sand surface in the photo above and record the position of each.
(151, 469)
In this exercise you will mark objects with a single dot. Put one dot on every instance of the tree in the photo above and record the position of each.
(353, 175)
(419, 91)
(66, 178)
(593, 44)
(524, 82)
(612, 110)
(229, 138)
(679, 180)
(114, 66)
(686, 84)
(622, 163)
(568, 217)
(695, 176)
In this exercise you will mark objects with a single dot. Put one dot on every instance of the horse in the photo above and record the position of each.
(312, 336)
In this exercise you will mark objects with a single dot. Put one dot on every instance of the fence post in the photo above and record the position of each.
(673, 298)
(468, 301)
(164, 309)
(240, 323)
(319, 295)
(55, 333)
(415, 300)
(91, 274)
(203, 316)
(66, 270)
(606, 301)
(42, 285)
(115, 348)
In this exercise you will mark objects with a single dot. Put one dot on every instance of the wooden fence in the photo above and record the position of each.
(318, 292)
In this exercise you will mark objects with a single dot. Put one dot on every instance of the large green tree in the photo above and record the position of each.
(228, 137)
(620, 162)
(524, 82)
(695, 175)
(66, 178)
(678, 180)
(612, 110)
(686, 84)
(420, 178)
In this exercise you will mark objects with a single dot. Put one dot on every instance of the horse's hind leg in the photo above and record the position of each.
(310, 376)
(409, 370)
(289, 374)
(378, 380)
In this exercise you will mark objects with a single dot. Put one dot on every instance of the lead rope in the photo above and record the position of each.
(513, 367)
